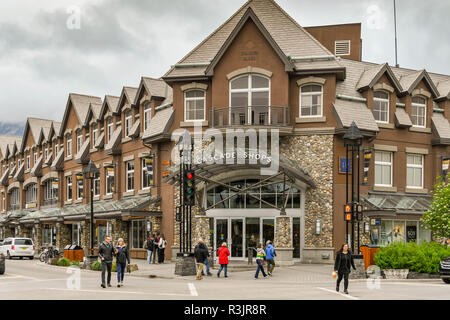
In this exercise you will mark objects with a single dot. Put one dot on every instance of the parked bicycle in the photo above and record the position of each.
(48, 253)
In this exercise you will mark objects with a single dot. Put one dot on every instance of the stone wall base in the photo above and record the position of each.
(284, 257)
(318, 255)
(175, 250)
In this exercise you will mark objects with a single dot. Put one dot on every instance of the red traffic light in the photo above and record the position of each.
(190, 175)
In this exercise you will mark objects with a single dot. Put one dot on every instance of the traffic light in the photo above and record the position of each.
(189, 187)
(359, 212)
(348, 212)
(178, 215)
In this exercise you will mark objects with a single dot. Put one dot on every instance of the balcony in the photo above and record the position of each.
(13, 207)
(250, 116)
(50, 203)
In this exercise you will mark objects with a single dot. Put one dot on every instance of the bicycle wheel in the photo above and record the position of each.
(42, 257)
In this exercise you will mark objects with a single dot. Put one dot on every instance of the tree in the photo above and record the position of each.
(437, 219)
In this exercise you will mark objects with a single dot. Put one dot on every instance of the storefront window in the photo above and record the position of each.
(102, 230)
(268, 230)
(138, 233)
(390, 231)
(76, 236)
(47, 234)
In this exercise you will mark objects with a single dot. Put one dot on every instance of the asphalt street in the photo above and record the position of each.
(25, 279)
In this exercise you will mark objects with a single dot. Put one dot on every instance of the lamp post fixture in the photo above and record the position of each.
(353, 138)
(90, 173)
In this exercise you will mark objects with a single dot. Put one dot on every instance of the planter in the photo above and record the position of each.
(417, 275)
(395, 274)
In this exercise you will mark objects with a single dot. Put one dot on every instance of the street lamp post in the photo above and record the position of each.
(90, 173)
(353, 138)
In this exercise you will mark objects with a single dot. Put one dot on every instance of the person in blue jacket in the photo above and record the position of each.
(270, 257)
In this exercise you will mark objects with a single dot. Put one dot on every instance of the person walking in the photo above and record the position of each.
(344, 261)
(156, 249)
(149, 245)
(200, 254)
(260, 255)
(223, 254)
(270, 257)
(207, 262)
(162, 243)
(106, 253)
(122, 257)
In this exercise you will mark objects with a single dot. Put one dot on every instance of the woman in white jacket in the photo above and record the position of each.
(161, 247)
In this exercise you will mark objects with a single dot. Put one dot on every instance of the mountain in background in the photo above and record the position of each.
(11, 129)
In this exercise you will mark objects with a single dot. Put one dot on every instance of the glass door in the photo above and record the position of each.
(221, 232)
(237, 231)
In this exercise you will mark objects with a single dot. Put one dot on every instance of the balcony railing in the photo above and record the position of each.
(49, 202)
(250, 116)
(13, 207)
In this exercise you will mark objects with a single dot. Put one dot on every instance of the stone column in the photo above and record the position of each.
(283, 241)
(84, 237)
(120, 230)
(63, 235)
(38, 236)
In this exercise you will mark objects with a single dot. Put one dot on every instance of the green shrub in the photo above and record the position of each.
(75, 263)
(63, 262)
(422, 258)
(97, 266)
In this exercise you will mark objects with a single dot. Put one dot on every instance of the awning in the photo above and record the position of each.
(402, 119)
(19, 174)
(142, 204)
(37, 169)
(290, 167)
(100, 142)
(113, 146)
(82, 156)
(4, 178)
(134, 131)
(348, 111)
(159, 126)
(57, 164)
(48, 161)
(392, 204)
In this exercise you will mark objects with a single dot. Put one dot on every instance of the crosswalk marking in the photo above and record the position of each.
(193, 290)
(341, 294)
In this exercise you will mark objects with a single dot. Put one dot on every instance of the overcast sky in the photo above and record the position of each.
(44, 55)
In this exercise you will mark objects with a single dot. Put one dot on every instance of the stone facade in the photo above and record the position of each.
(315, 154)
(63, 235)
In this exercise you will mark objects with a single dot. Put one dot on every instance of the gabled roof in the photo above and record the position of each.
(290, 37)
(444, 89)
(372, 74)
(35, 126)
(54, 129)
(409, 82)
(94, 112)
(157, 88)
(80, 104)
(110, 103)
(128, 93)
(5, 141)
(441, 128)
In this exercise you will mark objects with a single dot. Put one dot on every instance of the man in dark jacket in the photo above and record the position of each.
(106, 254)
(206, 262)
(155, 246)
(200, 254)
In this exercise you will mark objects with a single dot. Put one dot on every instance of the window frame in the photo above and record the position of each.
(147, 111)
(109, 128)
(195, 99)
(79, 140)
(69, 188)
(415, 166)
(107, 178)
(382, 100)
(301, 94)
(69, 146)
(31, 193)
(249, 90)
(382, 163)
(415, 104)
(128, 173)
(144, 173)
(128, 122)
(94, 134)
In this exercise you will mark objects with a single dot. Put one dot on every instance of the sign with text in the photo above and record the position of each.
(345, 166)
(367, 158)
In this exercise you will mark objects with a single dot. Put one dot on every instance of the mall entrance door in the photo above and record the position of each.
(231, 231)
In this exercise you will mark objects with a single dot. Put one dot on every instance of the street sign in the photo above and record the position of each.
(375, 222)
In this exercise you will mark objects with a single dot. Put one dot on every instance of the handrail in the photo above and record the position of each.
(258, 115)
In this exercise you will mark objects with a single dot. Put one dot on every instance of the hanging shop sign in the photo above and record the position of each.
(165, 169)
(445, 166)
(110, 172)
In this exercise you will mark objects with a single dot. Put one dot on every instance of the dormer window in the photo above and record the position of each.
(128, 121)
(311, 101)
(94, 133)
(194, 105)
(28, 165)
(79, 140)
(35, 155)
(419, 111)
(110, 126)
(69, 145)
(147, 116)
(381, 106)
